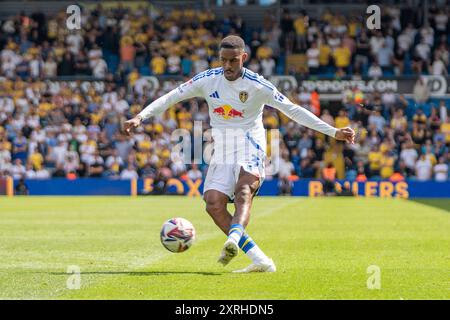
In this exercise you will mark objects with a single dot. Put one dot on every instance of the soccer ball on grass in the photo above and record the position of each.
(177, 234)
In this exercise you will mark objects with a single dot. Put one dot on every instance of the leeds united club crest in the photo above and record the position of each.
(243, 95)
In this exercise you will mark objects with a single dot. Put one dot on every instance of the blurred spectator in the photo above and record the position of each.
(17, 169)
(441, 170)
(313, 54)
(409, 155)
(49, 68)
(129, 173)
(375, 70)
(421, 91)
(5, 156)
(327, 117)
(374, 158)
(285, 186)
(438, 67)
(396, 177)
(445, 129)
(268, 67)
(194, 173)
(95, 165)
(59, 172)
(21, 189)
(443, 113)
(158, 64)
(329, 177)
(342, 57)
(286, 166)
(127, 53)
(254, 66)
(377, 120)
(173, 64)
(384, 57)
(423, 168)
(342, 119)
(386, 163)
(421, 56)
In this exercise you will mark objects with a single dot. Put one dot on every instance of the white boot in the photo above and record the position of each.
(229, 251)
(263, 266)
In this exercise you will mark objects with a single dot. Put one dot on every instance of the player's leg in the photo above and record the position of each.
(218, 188)
(245, 189)
(216, 206)
(246, 186)
(220, 184)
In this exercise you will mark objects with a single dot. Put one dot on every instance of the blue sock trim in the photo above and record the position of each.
(234, 231)
(238, 228)
(243, 239)
(246, 243)
(248, 246)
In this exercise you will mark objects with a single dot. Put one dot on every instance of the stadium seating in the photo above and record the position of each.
(55, 130)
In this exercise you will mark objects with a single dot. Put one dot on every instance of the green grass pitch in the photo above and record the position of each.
(322, 247)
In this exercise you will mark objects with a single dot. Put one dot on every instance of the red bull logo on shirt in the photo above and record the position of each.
(228, 112)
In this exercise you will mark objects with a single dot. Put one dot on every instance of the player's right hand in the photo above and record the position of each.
(132, 124)
(346, 134)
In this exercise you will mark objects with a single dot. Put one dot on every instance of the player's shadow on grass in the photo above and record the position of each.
(145, 273)
(443, 204)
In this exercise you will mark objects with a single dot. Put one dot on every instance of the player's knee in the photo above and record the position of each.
(213, 207)
(243, 194)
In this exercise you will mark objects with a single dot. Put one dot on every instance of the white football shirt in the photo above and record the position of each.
(237, 104)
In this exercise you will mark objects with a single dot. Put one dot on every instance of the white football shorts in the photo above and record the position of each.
(225, 166)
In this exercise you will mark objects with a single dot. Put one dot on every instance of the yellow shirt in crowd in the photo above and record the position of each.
(158, 65)
(263, 52)
(342, 57)
(36, 160)
(324, 54)
(445, 129)
(374, 160)
(387, 166)
(342, 122)
(44, 108)
(300, 26)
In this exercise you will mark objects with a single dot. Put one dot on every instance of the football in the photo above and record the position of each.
(177, 234)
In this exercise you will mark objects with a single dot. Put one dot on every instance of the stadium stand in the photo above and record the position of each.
(55, 128)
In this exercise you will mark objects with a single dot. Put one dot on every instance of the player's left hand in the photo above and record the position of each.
(346, 134)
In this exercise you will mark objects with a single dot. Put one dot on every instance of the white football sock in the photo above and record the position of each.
(235, 237)
(256, 254)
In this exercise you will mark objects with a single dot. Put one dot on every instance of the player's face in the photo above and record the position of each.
(232, 62)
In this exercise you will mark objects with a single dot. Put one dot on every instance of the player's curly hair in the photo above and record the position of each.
(232, 42)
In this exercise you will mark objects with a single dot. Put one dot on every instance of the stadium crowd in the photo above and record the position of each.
(58, 129)
(185, 41)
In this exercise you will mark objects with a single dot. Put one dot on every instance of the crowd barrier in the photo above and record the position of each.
(303, 187)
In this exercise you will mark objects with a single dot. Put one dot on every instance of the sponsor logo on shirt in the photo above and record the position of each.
(228, 112)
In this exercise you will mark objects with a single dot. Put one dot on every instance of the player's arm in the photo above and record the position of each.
(187, 90)
(306, 118)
